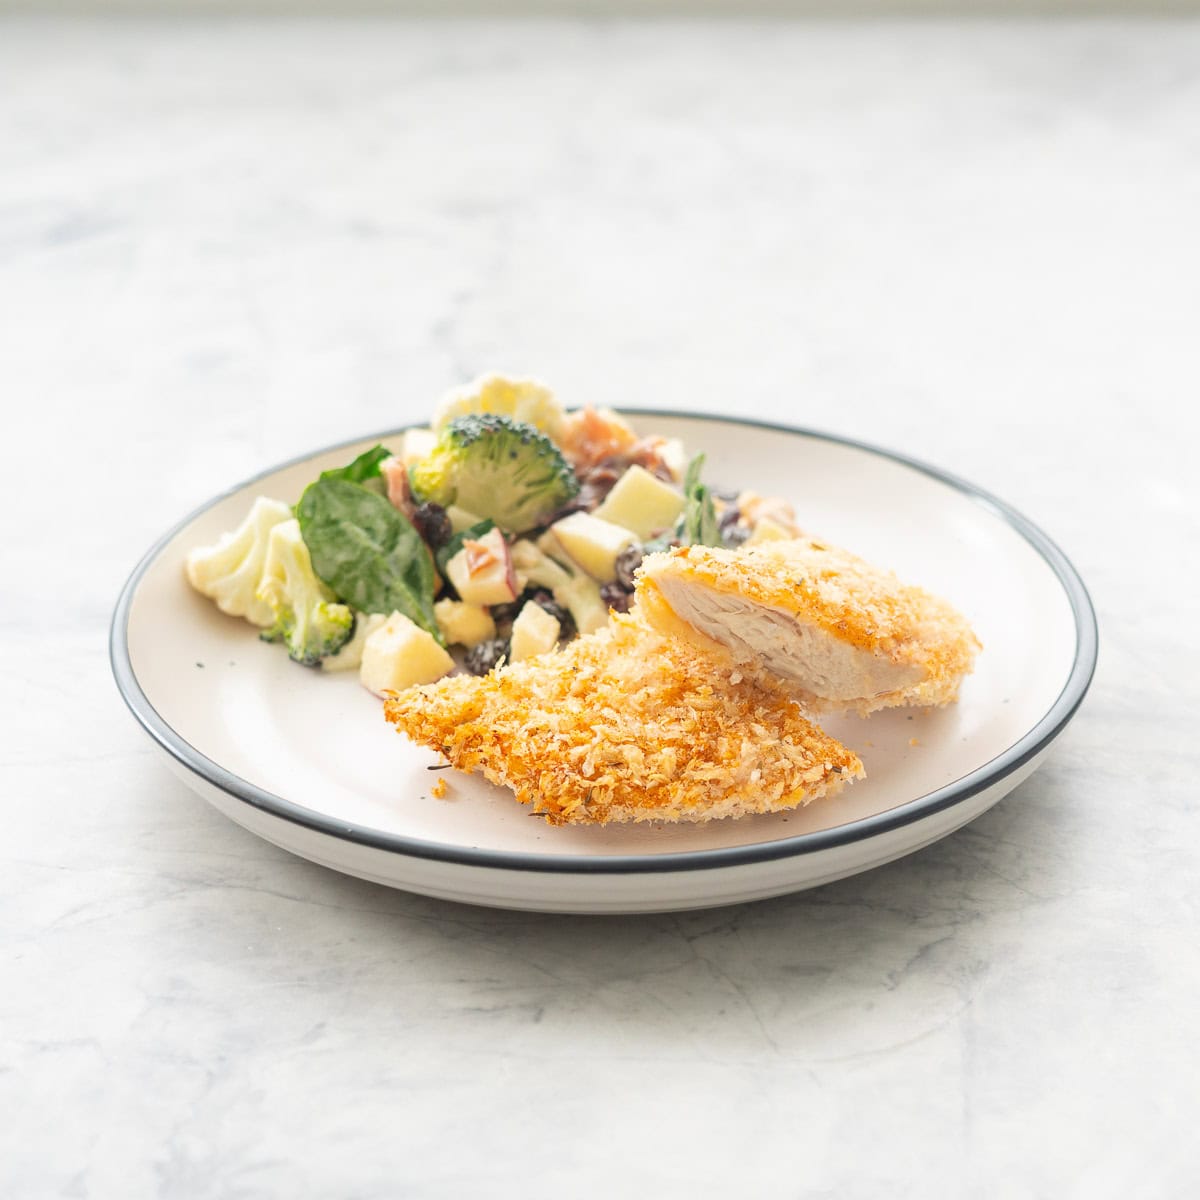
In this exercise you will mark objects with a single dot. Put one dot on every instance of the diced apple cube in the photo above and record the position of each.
(464, 624)
(401, 655)
(482, 571)
(535, 631)
(753, 508)
(593, 543)
(769, 531)
(641, 502)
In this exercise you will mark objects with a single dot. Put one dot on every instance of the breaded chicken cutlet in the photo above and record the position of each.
(840, 633)
(628, 725)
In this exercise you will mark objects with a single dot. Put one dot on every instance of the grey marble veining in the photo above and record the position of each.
(224, 243)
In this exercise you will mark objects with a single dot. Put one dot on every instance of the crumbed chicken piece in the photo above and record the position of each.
(840, 633)
(626, 725)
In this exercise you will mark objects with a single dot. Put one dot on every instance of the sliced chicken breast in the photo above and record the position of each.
(840, 633)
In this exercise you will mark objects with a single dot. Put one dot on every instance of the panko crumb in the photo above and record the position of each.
(626, 725)
(439, 789)
(819, 587)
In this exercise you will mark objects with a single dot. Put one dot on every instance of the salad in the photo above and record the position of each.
(503, 529)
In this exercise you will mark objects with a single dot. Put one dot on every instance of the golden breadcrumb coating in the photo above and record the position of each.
(831, 590)
(626, 725)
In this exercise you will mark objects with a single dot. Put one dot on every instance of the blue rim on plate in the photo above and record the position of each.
(1027, 747)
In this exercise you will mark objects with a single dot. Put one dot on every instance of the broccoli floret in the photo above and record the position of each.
(229, 571)
(495, 467)
(578, 593)
(305, 614)
(349, 655)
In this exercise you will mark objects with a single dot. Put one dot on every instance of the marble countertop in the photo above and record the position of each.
(222, 244)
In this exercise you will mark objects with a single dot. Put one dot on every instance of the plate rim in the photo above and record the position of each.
(1028, 746)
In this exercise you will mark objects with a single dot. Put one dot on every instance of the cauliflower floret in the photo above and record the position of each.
(307, 617)
(524, 400)
(229, 571)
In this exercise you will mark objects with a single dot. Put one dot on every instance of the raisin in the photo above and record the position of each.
(432, 523)
(595, 484)
(628, 561)
(605, 474)
(615, 596)
(483, 657)
(733, 532)
(506, 614)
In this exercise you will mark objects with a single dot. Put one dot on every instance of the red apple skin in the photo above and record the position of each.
(495, 584)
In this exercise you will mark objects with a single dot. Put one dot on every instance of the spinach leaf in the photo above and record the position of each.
(367, 551)
(473, 533)
(700, 526)
(364, 469)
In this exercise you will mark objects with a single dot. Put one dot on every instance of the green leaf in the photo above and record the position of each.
(367, 551)
(700, 526)
(363, 469)
(664, 541)
(454, 545)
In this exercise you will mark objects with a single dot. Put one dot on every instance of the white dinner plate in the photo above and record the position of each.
(306, 760)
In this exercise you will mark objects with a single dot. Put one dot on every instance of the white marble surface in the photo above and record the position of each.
(221, 245)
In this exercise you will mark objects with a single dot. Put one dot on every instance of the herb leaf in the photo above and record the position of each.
(700, 526)
(367, 551)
